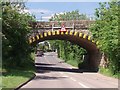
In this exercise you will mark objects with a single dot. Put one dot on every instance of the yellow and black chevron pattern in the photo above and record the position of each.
(54, 33)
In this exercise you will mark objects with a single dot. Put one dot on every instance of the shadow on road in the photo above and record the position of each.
(47, 77)
(48, 55)
(45, 69)
(44, 64)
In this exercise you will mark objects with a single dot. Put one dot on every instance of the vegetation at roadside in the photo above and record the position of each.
(108, 72)
(18, 55)
(72, 54)
(12, 78)
(105, 30)
(15, 28)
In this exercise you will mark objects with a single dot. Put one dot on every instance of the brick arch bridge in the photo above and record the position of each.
(76, 33)
(81, 39)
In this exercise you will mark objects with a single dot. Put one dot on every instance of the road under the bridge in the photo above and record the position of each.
(52, 72)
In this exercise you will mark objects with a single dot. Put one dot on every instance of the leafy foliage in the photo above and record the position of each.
(73, 15)
(105, 30)
(15, 27)
(68, 51)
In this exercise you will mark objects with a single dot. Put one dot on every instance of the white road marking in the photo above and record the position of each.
(65, 76)
(83, 85)
(72, 79)
(71, 73)
(61, 72)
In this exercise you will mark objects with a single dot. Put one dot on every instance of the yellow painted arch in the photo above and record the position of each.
(55, 33)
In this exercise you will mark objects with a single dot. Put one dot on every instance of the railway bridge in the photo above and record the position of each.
(76, 32)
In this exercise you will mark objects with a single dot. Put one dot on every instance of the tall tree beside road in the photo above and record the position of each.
(105, 30)
(15, 27)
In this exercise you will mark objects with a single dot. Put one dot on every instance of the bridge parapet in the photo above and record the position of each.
(75, 25)
(72, 24)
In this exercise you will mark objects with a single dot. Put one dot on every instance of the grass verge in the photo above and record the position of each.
(73, 63)
(107, 72)
(103, 71)
(13, 78)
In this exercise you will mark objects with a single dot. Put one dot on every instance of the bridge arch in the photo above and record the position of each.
(81, 39)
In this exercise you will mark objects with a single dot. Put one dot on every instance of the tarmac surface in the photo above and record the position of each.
(53, 72)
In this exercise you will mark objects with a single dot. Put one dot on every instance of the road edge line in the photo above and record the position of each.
(83, 85)
(73, 79)
(25, 82)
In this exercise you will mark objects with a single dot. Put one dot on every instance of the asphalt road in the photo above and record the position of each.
(52, 72)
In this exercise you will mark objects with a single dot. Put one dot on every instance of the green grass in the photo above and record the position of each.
(13, 78)
(73, 63)
(103, 71)
(107, 72)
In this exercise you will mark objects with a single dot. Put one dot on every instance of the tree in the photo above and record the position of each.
(73, 15)
(105, 30)
(15, 27)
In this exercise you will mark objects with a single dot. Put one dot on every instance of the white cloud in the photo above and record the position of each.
(39, 11)
(52, 15)
(46, 17)
(60, 13)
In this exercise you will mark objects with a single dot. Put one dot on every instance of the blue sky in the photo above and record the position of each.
(50, 8)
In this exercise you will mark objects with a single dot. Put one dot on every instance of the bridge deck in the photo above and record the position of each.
(75, 24)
